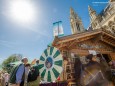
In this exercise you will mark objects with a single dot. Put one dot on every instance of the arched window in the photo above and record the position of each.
(78, 26)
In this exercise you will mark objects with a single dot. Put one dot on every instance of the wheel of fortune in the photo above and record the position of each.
(50, 64)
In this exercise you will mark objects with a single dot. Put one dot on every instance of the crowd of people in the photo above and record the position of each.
(23, 74)
(96, 72)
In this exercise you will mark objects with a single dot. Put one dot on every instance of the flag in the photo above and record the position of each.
(58, 29)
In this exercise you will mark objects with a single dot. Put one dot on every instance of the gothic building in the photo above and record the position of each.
(76, 23)
(105, 20)
(99, 39)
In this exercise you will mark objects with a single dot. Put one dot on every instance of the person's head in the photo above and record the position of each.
(37, 61)
(28, 65)
(89, 57)
(94, 58)
(25, 60)
(110, 63)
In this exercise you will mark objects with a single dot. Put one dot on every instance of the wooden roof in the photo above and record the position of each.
(99, 34)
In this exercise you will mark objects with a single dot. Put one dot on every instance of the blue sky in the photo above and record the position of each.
(31, 39)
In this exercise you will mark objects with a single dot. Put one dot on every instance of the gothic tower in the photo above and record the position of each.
(76, 23)
(94, 18)
(92, 14)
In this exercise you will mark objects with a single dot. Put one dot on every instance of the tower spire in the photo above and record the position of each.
(91, 9)
(92, 13)
(71, 10)
(76, 23)
(73, 14)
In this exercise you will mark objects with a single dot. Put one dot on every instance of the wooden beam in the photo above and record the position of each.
(80, 40)
(113, 44)
(72, 43)
(81, 35)
(109, 40)
(109, 34)
(78, 36)
(97, 38)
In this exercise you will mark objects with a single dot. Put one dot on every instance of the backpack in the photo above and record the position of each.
(12, 77)
(33, 74)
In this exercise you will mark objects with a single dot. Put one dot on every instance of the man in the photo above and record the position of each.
(18, 73)
(33, 77)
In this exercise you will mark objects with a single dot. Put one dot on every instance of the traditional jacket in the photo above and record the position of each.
(12, 78)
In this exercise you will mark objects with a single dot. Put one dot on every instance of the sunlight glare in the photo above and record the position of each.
(22, 11)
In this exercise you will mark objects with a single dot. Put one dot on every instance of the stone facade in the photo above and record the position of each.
(105, 20)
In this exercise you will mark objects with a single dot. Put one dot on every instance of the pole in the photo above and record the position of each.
(58, 28)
